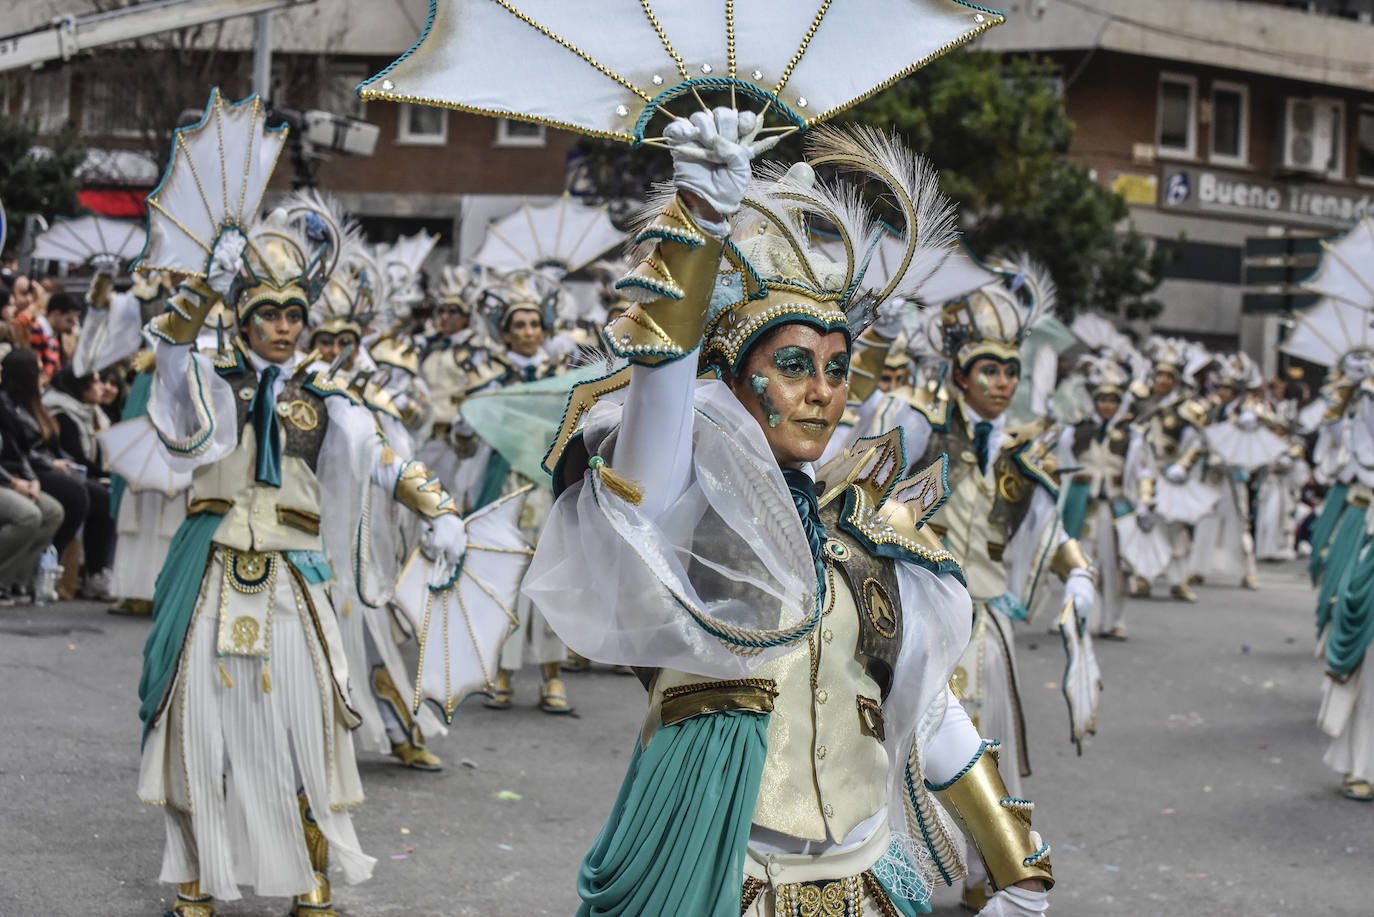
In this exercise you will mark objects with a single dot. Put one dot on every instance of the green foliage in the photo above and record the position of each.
(36, 181)
(997, 131)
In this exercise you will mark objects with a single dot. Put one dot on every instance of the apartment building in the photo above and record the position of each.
(448, 172)
(1238, 130)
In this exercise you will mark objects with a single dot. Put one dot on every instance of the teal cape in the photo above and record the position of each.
(1341, 552)
(1352, 615)
(174, 602)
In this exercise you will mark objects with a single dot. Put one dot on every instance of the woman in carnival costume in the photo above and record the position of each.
(245, 702)
(796, 625)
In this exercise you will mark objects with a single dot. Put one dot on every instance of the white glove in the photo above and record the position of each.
(1013, 901)
(106, 265)
(222, 270)
(1145, 519)
(445, 540)
(712, 153)
(888, 324)
(1079, 589)
(1247, 420)
(1176, 473)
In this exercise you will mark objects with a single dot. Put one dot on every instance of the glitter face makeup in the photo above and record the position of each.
(272, 330)
(794, 382)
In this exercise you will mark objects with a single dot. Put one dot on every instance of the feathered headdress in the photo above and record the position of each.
(288, 259)
(993, 321)
(1238, 371)
(458, 287)
(522, 290)
(774, 275)
(1105, 375)
(1169, 355)
(349, 298)
(400, 264)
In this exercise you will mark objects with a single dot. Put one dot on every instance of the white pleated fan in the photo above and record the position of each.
(214, 180)
(78, 240)
(566, 236)
(609, 68)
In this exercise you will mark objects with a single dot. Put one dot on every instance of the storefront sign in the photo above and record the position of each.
(1136, 188)
(1240, 195)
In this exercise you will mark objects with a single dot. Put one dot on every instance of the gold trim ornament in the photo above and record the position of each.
(302, 414)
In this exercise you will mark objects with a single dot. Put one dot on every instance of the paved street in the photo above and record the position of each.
(1203, 793)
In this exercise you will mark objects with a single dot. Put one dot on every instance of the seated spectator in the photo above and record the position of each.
(74, 402)
(32, 439)
(28, 520)
(25, 293)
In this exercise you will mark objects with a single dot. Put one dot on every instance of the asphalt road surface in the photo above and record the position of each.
(1202, 793)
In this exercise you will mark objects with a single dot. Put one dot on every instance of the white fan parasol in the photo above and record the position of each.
(1330, 329)
(1346, 269)
(1239, 447)
(461, 628)
(608, 68)
(76, 241)
(1082, 677)
(136, 454)
(565, 235)
(215, 179)
(1146, 553)
(1187, 502)
(1099, 334)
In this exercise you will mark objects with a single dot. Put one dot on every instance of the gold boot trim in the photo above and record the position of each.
(318, 902)
(554, 697)
(502, 692)
(1183, 592)
(192, 902)
(416, 757)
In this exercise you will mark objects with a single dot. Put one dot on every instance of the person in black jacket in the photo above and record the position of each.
(75, 403)
(28, 519)
(32, 444)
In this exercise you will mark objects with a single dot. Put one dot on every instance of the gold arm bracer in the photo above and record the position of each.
(680, 271)
(418, 489)
(866, 364)
(997, 823)
(1190, 458)
(99, 293)
(1069, 557)
(1147, 491)
(186, 312)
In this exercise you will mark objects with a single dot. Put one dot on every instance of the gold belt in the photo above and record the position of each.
(682, 702)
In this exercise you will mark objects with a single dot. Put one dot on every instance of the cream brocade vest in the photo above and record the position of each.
(259, 517)
(824, 774)
(969, 536)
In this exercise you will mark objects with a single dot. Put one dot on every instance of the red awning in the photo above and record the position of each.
(114, 203)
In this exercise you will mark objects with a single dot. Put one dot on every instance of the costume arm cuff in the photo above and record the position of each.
(1147, 491)
(997, 823)
(1190, 458)
(1069, 557)
(186, 312)
(678, 274)
(418, 489)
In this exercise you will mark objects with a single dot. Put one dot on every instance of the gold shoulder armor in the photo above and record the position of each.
(1194, 411)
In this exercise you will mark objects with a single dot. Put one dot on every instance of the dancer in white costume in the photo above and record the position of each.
(1171, 418)
(806, 788)
(353, 300)
(1109, 485)
(245, 685)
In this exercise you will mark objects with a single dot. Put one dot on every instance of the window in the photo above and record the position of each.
(112, 107)
(1230, 123)
(337, 90)
(46, 102)
(422, 125)
(518, 133)
(1176, 116)
(1364, 166)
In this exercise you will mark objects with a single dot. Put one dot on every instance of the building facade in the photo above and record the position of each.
(1237, 131)
(448, 172)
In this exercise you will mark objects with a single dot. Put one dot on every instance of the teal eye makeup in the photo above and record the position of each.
(837, 369)
(794, 361)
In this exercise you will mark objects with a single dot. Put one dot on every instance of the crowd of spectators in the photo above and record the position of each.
(54, 481)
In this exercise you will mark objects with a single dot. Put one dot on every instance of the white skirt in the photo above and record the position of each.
(230, 759)
(146, 523)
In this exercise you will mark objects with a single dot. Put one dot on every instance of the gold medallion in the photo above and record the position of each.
(879, 608)
(1170, 422)
(1011, 487)
(968, 457)
(302, 415)
(246, 393)
(244, 633)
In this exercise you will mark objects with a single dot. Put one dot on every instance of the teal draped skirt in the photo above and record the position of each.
(174, 601)
(1333, 507)
(1076, 508)
(1341, 552)
(675, 841)
(1352, 617)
